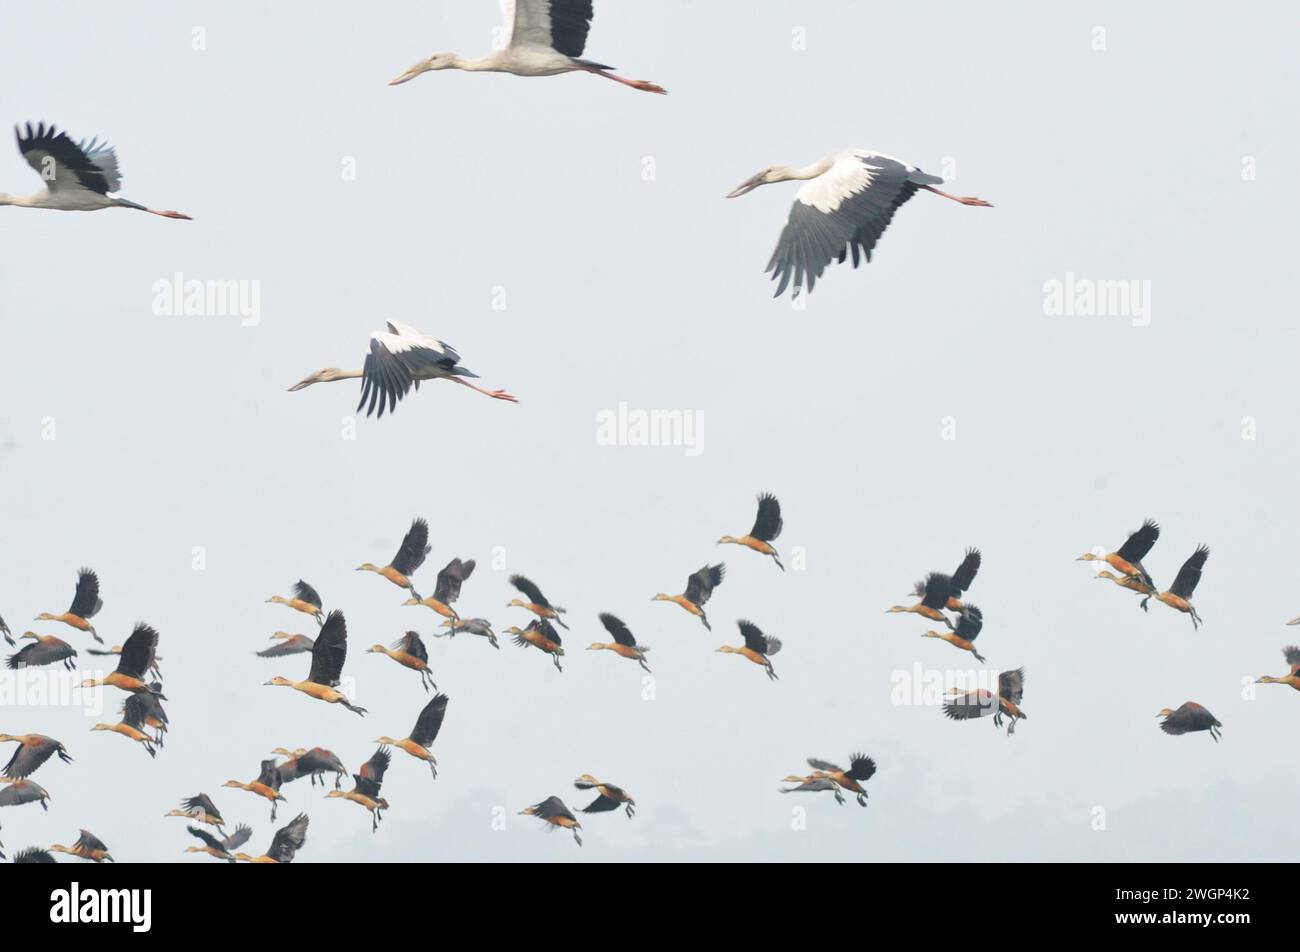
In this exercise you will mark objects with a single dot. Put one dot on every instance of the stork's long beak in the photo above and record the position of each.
(304, 382)
(747, 186)
(410, 74)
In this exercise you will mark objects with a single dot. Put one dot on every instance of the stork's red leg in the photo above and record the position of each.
(495, 394)
(641, 84)
(965, 200)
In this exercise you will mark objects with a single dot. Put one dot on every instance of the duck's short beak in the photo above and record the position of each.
(746, 187)
(409, 75)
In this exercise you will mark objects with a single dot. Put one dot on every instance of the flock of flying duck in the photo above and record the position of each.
(940, 598)
(144, 720)
(845, 204)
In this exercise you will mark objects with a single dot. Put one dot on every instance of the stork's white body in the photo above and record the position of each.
(543, 38)
(76, 201)
(846, 202)
(78, 175)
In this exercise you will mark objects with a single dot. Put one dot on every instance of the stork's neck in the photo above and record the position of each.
(30, 202)
(483, 64)
(810, 171)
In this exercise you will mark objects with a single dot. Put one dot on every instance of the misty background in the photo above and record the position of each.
(596, 214)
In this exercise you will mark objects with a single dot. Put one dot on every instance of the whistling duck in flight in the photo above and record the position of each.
(966, 705)
(266, 785)
(135, 661)
(624, 643)
(1188, 718)
(220, 848)
(758, 647)
(542, 635)
(767, 527)
(1292, 677)
(861, 769)
(813, 783)
(1128, 557)
(447, 589)
(410, 556)
(1131, 582)
(475, 626)
(969, 622)
(327, 657)
(45, 649)
(1180, 593)
(845, 205)
(85, 605)
(409, 652)
(314, 763)
(285, 845)
(33, 750)
(698, 589)
(537, 603)
(556, 815)
(542, 38)
(958, 582)
(423, 733)
(399, 360)
(365, 790)
(609, 797)
(304, 599)
(935, 592)
(134, 720)
(201, 809)
(289, 645)
(23, 791)
(78, 175)
(88, 846)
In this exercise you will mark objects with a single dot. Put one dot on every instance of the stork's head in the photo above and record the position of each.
(436, 61)
(321, 376)
(773, 173)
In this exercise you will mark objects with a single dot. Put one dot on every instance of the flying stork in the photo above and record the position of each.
(78, 175)
(399, 359)
(846, 205)
(543, 38)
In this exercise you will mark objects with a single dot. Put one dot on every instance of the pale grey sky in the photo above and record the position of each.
(172, 433)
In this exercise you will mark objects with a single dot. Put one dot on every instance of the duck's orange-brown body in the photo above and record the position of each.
(686, 603)
(954, 640)
(541, 611)
(430, 602)
(541, 641)
(758, 545)
(126, 730)
(401, 657)
(115, 679)
(1174, 601)
(925, 611)
(414, 749)
(76, 621)
(1131, 582)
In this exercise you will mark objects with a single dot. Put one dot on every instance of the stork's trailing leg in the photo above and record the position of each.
(644, 85)
(963, 199)
(494, 394)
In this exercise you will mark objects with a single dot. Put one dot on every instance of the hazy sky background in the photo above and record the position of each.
(176, 432)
